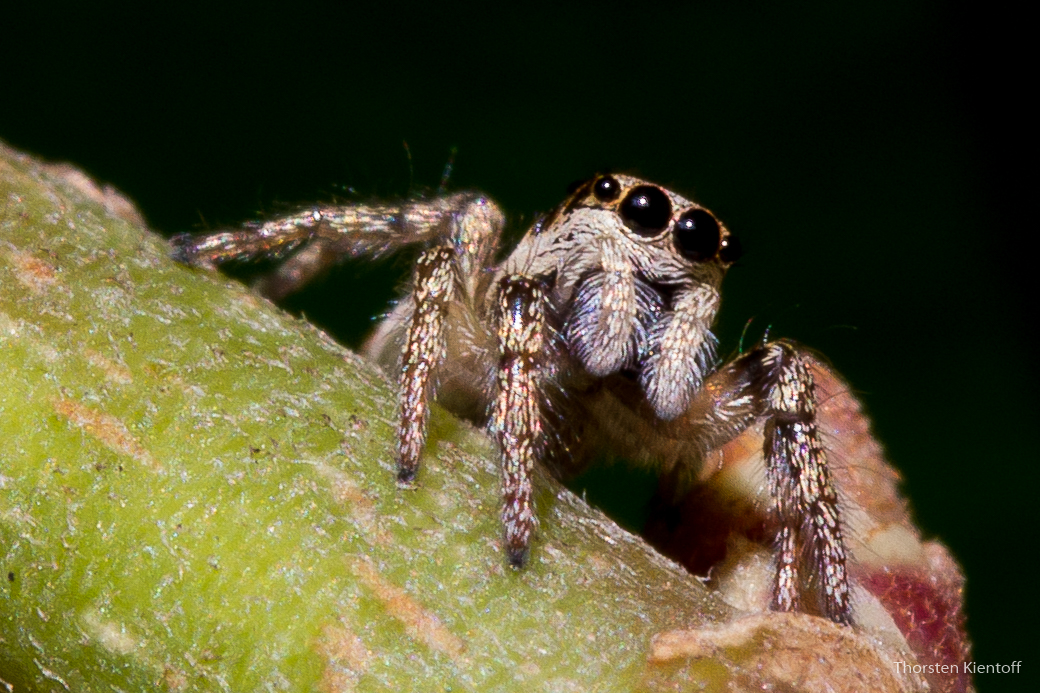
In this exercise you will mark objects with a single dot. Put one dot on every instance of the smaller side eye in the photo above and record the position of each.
(606, 189)
(731, 249)
(646, 210)
(697, 235)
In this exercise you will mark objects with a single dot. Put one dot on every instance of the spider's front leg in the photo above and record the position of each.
(435, 286)
(774, 382)
(516, 421)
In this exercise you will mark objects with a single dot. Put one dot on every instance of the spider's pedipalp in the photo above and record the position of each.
(611, 316)
(681, 352)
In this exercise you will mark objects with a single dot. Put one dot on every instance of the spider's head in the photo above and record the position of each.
(683, 236)
(637, 270)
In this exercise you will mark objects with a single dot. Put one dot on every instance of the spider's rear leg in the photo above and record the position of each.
(324, 235)
(248, 243)
(461, 232)
(516, 420)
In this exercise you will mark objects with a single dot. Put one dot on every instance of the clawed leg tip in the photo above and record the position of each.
(517, 557)
(406, 477)
(182, 249)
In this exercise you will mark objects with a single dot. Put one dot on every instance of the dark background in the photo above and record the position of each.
(867, 155)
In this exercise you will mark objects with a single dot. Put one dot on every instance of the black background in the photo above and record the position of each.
(867, 155)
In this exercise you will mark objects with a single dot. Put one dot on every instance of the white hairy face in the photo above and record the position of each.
(635, 271)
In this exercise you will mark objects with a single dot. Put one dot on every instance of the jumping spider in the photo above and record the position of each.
(593, 334)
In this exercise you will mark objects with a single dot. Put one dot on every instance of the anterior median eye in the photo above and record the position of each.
(697, 235)
(646, 210)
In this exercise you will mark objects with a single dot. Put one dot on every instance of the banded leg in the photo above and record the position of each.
(425, 345)
(774, 382)
(516, 419)
(331, 233)
(252, 242)
(805, 500)
(465, 228)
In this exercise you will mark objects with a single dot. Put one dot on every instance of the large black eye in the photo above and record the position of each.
(646, 210)
(606, 189)
(697, 235)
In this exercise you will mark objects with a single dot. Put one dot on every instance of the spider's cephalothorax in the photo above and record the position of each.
(593, 334)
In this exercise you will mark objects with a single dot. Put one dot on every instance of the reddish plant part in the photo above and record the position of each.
(721, 526)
